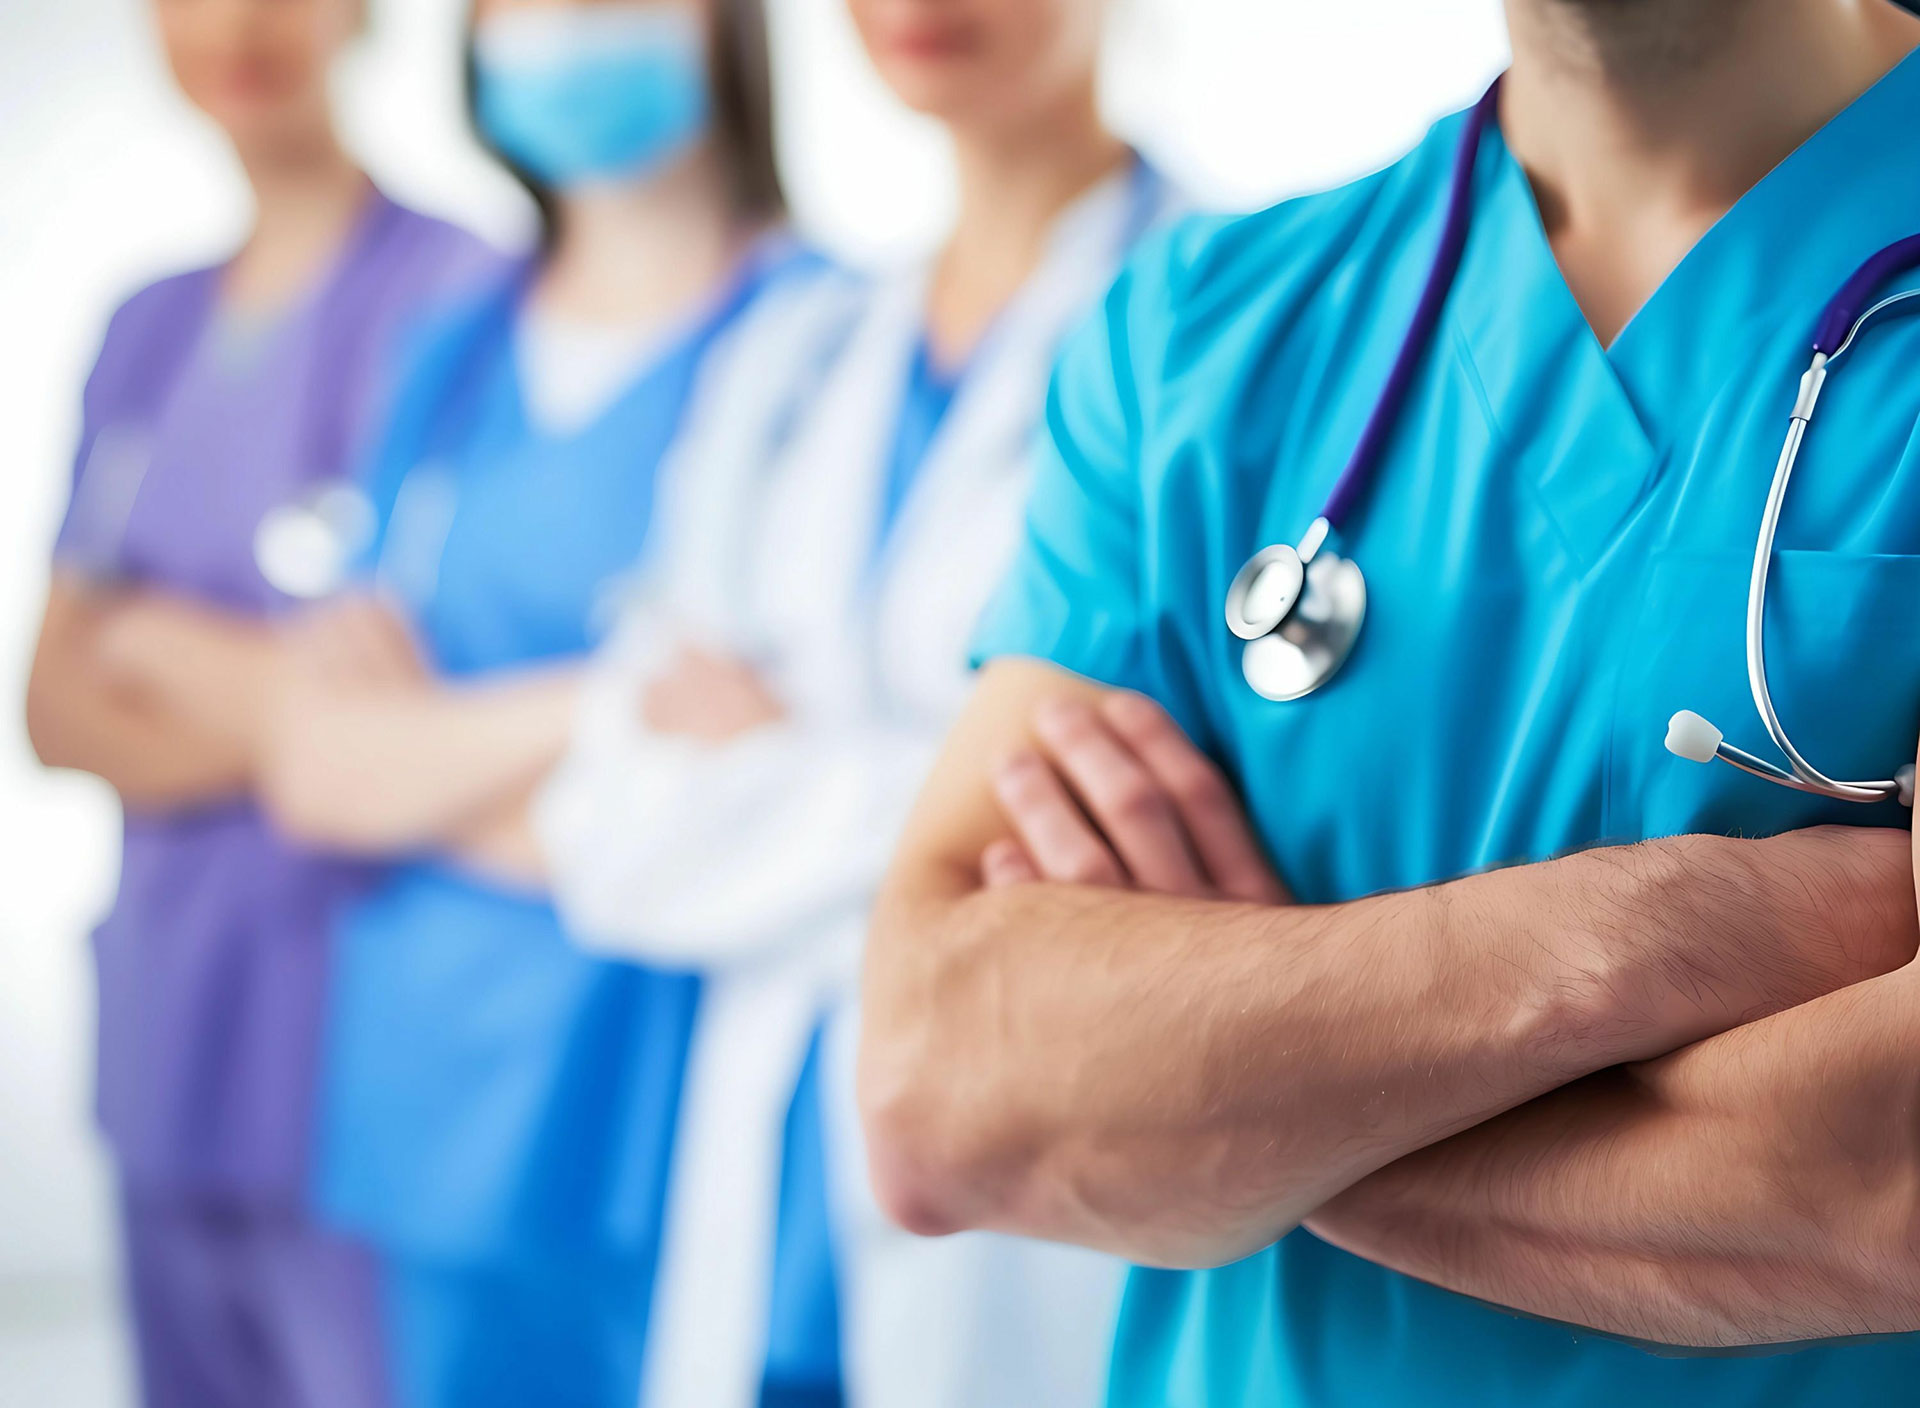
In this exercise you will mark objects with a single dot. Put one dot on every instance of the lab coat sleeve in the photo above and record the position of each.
(1073, 594)
(691, 855)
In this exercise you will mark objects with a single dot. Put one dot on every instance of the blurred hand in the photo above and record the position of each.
(710, 698)
(135, 632)
(1121, 797)
(353, 643)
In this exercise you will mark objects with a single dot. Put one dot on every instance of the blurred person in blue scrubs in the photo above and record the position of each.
(1658, 1098)
(830, 592)
(219, 395)
(497, 1107)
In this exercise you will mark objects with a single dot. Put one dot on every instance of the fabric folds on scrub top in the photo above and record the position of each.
(1557, 545)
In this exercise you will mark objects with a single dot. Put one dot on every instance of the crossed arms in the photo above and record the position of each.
(333, 720)
(1471, 1082)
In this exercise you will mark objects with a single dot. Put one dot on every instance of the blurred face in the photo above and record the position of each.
(258, 67)
(972, 61)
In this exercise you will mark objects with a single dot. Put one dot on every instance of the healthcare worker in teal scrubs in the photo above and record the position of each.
(497, 1108)
(1438, 1090)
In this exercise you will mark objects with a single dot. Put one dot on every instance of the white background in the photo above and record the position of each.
(107, 180)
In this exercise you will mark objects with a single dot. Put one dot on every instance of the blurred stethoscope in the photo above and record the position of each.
(307, 549)
(1300, 610)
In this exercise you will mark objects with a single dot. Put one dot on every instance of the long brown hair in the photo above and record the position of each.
(743, 108)
(741, 78)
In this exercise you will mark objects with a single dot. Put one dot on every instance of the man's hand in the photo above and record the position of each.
(1296, 1048)
(709, 698)
(1758, 1187)
(1690, 1200)
(1117, 795)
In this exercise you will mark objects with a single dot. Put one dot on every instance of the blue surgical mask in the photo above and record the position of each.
(584, 93)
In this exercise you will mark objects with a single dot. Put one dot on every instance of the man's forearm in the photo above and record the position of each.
(1760, 1187)
(1183, 1081)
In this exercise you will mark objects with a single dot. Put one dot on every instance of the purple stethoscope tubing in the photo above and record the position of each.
(1837, 320)
(1355, 477)
(1300, 610)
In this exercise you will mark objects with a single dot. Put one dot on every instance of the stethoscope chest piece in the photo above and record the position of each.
(1299, 618)
(1300, 610)
(306, 549)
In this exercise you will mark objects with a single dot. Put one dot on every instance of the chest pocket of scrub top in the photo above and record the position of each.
(1843, 655)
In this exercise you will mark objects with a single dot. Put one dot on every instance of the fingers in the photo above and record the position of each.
(1056, 835)
(1122, 797)
(1215, 823)
(1006, 862)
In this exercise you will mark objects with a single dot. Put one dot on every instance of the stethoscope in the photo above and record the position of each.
(1300, 609)
(329, 539)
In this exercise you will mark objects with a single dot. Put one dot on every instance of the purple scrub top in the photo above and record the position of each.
(213, 961)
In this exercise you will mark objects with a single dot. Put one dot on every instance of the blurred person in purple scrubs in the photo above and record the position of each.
(220, 395)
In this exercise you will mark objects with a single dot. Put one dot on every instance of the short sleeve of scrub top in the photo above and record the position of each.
(155, 327)
(71, 547)
(1073, 594)
(1078, 593)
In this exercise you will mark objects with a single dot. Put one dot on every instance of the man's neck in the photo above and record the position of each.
(1641, 122)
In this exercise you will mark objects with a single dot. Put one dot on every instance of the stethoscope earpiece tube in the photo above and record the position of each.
(1688, 735)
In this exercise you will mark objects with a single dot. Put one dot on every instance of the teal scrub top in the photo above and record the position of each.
(1557, 546)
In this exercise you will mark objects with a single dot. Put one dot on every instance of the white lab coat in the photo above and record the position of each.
(755, 862)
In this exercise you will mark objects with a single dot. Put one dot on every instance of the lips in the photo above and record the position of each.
(241, 77)
(928, 42)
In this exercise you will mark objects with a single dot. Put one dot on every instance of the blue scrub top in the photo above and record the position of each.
(490, 1089)
(1557, 547)
(924, 403)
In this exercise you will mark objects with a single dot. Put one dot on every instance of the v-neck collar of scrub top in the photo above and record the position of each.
(677, 348)
(1775, 257)
(197, 306)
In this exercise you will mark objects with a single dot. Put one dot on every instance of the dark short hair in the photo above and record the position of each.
(741, 79)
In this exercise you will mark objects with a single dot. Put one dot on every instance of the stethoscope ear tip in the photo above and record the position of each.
(1691, 737)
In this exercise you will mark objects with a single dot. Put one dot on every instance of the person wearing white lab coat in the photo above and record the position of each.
(748, 747)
